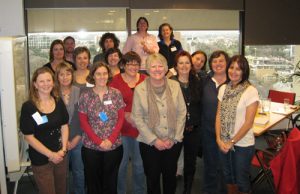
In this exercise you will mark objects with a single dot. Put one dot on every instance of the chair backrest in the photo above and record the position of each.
(296, 121)
(279, 96)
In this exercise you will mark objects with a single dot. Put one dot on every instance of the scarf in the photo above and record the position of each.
(229, 104)
(153, 112)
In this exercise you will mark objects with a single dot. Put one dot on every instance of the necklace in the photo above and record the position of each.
(66, 95)
(187, 97)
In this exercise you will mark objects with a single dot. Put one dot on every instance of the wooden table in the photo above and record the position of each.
(274, 118)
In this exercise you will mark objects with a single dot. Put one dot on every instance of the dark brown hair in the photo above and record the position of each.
(81, 49)
(109, 35)
(138, 21)
(243, 65)
(160, 31)
(202, 53)
(55, 42)
(217, 54)
(90, 78)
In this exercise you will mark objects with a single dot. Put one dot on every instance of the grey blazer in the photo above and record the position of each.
(139, 114)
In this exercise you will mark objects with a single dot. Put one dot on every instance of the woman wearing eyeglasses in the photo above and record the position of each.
(126, 83)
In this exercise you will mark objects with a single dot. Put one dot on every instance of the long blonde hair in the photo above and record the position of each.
(33, 93)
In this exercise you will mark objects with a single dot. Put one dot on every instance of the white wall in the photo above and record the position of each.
(12, 18)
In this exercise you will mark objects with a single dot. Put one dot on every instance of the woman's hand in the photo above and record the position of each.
(223, 146)
(70, 145)
(56, 157)
(160, 145)
(168, 144)
(106, 145)
(73, 143)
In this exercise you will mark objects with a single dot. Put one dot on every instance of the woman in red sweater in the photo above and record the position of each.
(126, 82)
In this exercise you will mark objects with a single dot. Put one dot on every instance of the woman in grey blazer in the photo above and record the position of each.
(159, 114)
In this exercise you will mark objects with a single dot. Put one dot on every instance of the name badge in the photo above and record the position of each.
(39, 119)
(88, 85)
(107, 102)
(173, 49)
(103, 117)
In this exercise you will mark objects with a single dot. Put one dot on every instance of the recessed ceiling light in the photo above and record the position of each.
(164, 17)
(112, 11)
(155, 11)
(147, 13)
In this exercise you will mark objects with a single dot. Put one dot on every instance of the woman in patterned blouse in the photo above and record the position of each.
(101, 114)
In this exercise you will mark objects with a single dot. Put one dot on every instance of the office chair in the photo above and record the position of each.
(263, 157)
(279, 96)
(296, 121)
(286, 167)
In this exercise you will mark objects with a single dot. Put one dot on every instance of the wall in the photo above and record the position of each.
(12, 18)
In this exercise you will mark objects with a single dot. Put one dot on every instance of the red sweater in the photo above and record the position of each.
(127, 92)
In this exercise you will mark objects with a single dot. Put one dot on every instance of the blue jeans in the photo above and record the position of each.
(213, 180)
(131, 150)
(76, 164)
(236, 167)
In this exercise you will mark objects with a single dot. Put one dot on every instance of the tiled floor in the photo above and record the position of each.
(26, 185)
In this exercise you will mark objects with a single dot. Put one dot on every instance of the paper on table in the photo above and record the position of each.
(278, 110)
(261, 120)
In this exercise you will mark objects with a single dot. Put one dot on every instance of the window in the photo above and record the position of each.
(276, 67)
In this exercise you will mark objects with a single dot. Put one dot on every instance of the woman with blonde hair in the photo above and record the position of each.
(159, 113)
(44, 123)
(70, 95)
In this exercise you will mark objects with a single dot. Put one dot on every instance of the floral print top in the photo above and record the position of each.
(91, 105)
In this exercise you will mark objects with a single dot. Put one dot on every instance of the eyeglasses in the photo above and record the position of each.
(133, 64)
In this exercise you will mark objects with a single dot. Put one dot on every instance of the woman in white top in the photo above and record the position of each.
(238, 101)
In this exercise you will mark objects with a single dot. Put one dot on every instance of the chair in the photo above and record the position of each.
(286, 167)
(279, 96)
(263, 157)
(296, 121)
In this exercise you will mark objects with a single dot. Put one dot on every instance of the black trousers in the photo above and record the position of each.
(191, 142)
(160, 162)
(101, 170)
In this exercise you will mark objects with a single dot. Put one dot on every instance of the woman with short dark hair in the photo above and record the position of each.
(141, 42)
(107, 41)
(212, 175)
(113, 58)
(126, 83)
(82, 58)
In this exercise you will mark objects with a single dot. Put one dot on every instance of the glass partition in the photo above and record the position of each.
(86, 25)
(275, 67)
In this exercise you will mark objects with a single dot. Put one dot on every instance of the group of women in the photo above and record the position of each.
(125, 108)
